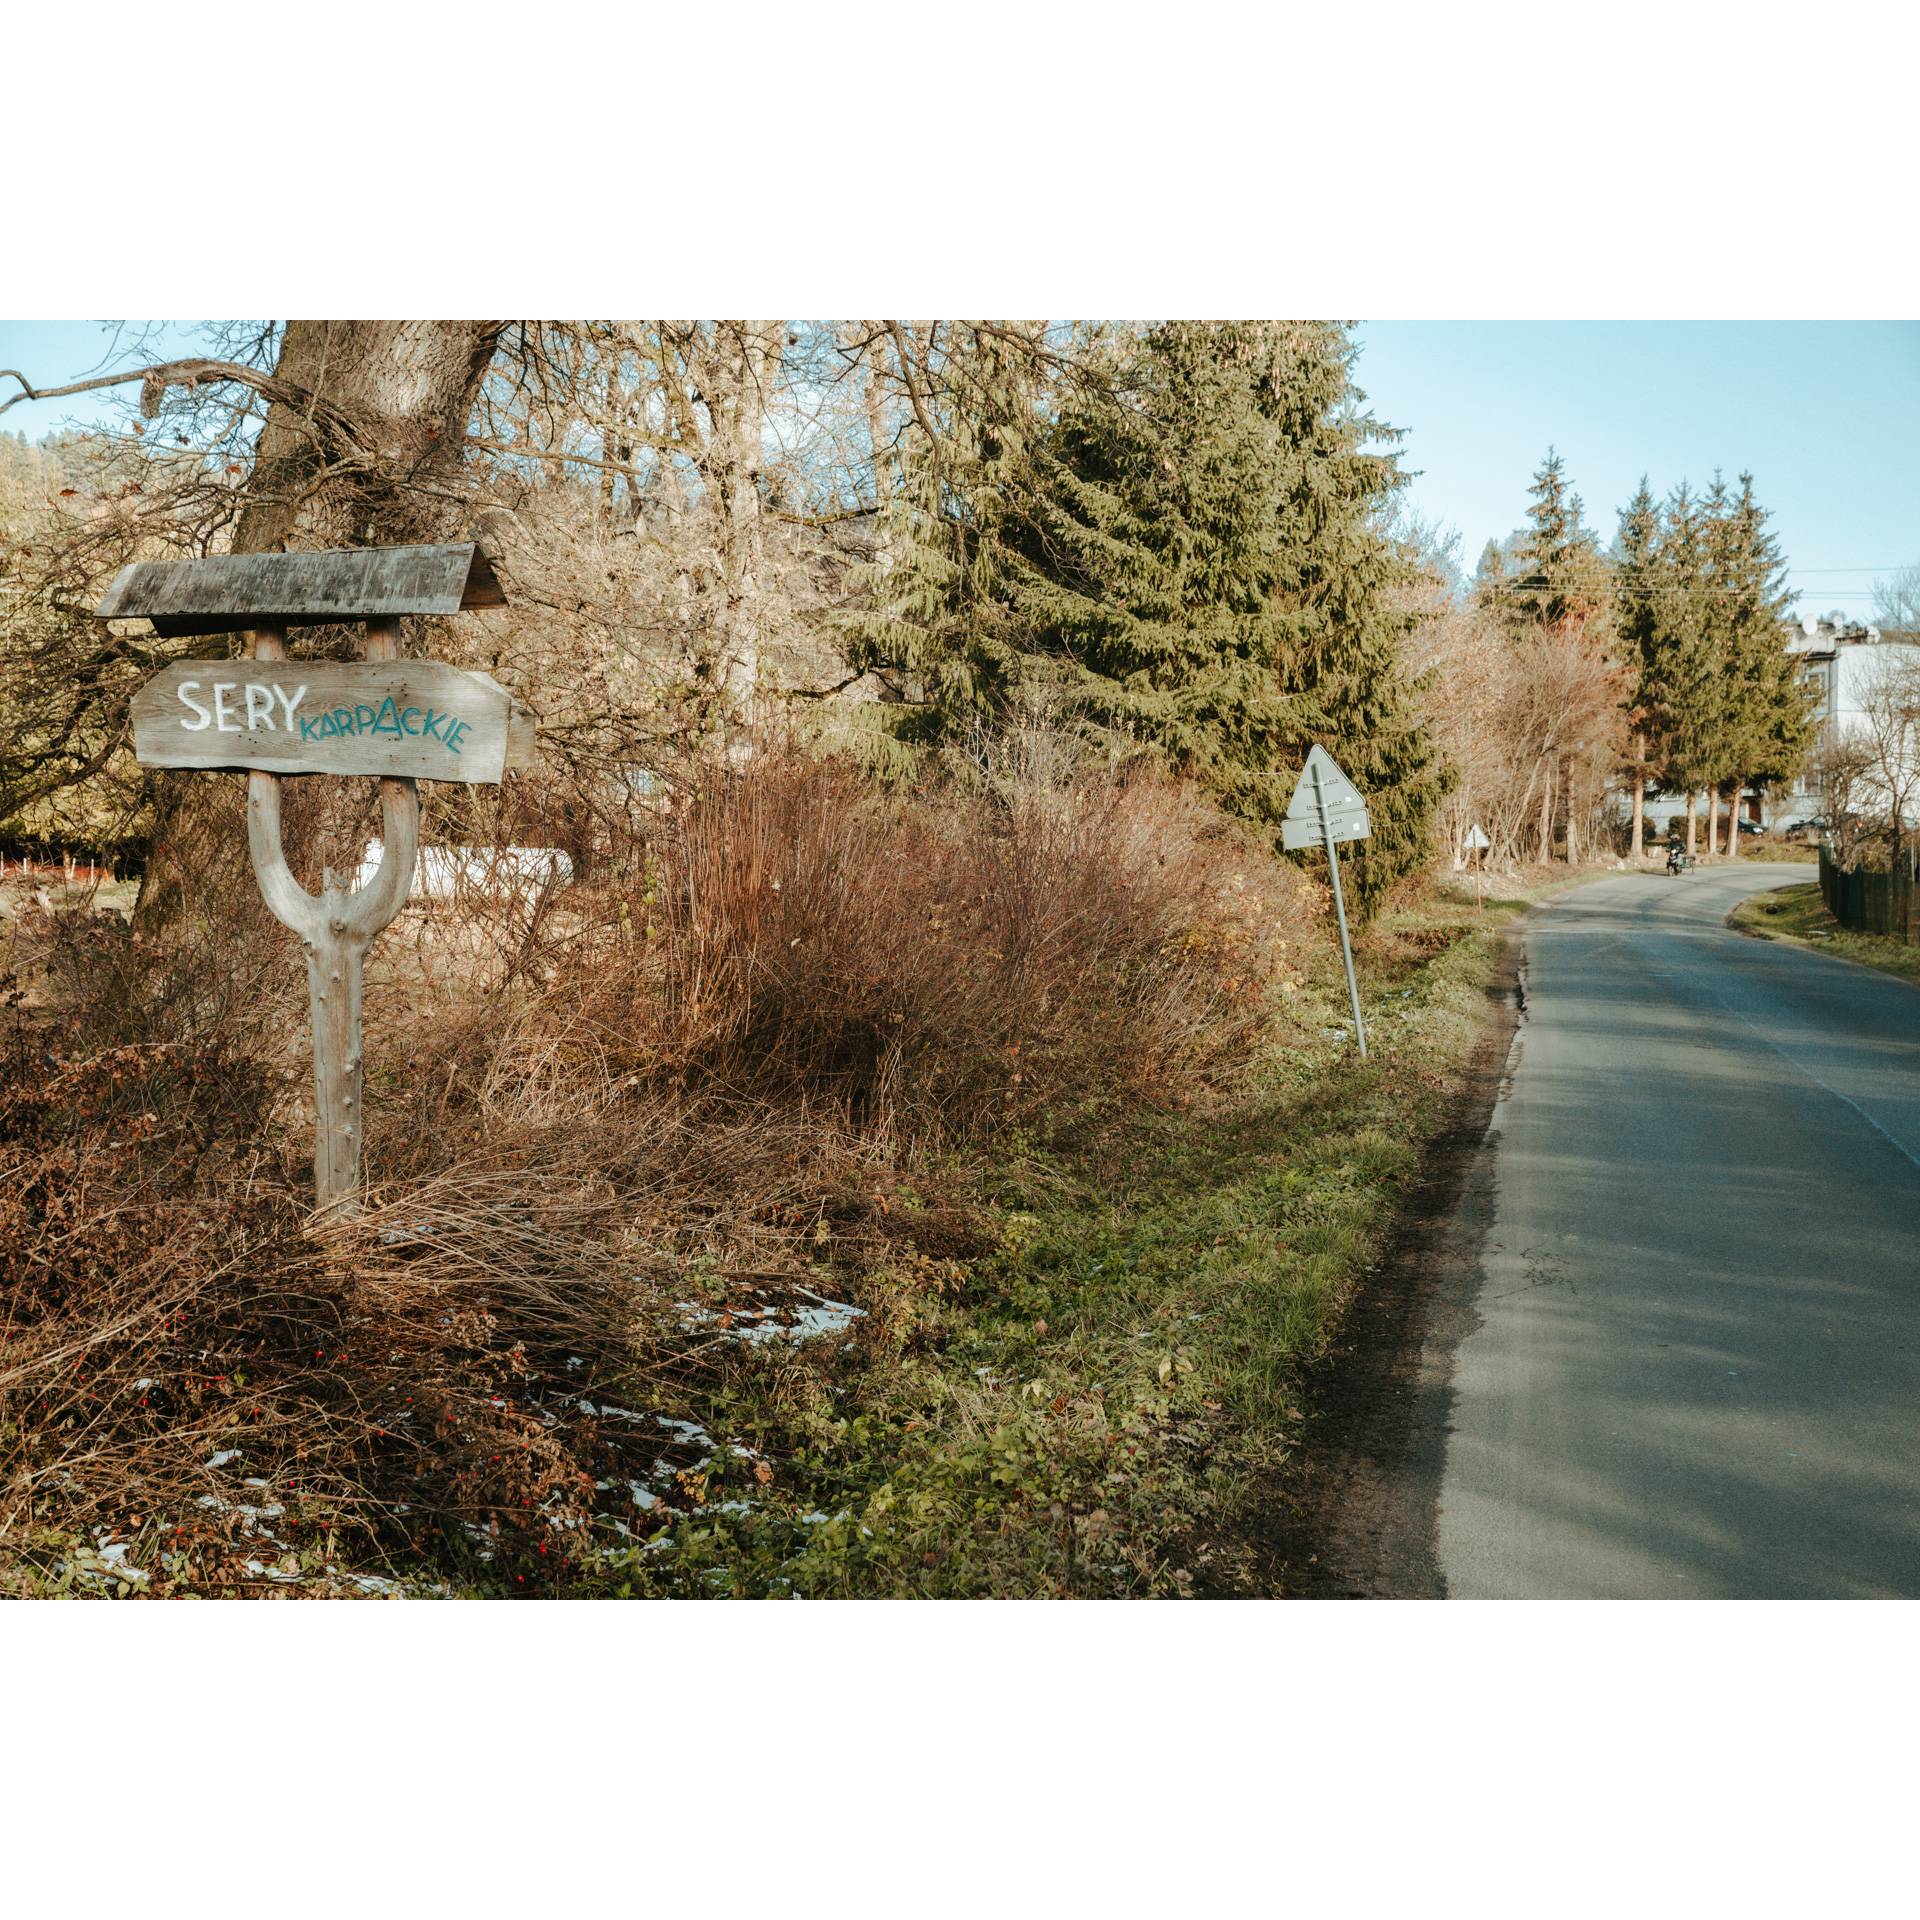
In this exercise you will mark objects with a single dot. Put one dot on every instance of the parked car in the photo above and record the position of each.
(1753, 827)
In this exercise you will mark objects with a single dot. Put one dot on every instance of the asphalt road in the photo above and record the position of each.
(1698, 1366)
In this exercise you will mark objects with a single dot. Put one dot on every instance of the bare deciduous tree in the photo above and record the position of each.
(1889, 731)
(1530, 722)
(1840, 771)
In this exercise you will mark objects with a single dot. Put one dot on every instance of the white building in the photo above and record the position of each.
(1854, 670)
(1843, 662)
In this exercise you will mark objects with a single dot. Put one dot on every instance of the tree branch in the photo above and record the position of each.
(913, 386)
(195, 373)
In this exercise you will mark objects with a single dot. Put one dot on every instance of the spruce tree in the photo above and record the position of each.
(1203, 561)
(1636, 591)
(1187, 556)
(1765, 721)
(1689, 680)
(1561, 578)
(938, 606)
(1551, 590)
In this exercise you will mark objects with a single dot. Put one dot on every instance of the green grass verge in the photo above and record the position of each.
(1799, 917)
(1082, 1409)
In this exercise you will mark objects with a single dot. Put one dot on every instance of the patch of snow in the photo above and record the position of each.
(757, 1325)
(387, 1589)
(247, 1514)
(221, 1459)
(829, 1316)
(604, 1411)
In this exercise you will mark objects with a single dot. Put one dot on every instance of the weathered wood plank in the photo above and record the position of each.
(398, 719)
(229, 592)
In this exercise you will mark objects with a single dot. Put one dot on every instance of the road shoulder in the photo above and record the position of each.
(1357, 1516)
(1796, 916)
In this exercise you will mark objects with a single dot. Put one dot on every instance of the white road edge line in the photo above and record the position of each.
(1912, 1159)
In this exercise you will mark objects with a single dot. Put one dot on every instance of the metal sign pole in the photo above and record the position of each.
(1339, 906)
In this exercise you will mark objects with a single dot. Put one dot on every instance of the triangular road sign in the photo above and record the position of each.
(1326, 808)
(1336, 790)
(1331, 803)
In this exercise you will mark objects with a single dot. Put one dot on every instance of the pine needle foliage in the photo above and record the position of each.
(1206, 566)
(1768, 711)
(1186, 555)
(1562, 579)
(1702, 605)
(938, 604)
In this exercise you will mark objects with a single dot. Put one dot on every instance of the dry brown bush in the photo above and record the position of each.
(931, 964)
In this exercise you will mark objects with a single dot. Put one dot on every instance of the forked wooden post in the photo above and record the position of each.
(384, 717)
(336, 931)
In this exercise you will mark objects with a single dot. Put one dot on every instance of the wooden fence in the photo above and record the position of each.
(1885, 903)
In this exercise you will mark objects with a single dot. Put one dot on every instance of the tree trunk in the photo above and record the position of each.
(746, 363)
(882, 441)
(406, 389)
(1639, 796)
(613, 453)
(1693, 802)
(1546, 816)
(1733, 821)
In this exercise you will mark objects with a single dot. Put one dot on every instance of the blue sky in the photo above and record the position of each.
(1825, 413)
(55, 353)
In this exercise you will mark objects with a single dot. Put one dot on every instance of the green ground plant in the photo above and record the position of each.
(1082, 1406)
(1799, 917)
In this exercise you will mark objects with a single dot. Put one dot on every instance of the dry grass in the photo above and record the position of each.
(621, 1102)
(932, 964)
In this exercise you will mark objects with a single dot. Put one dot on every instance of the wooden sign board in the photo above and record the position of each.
(230, 592)
(394, 719)
(401, 719)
